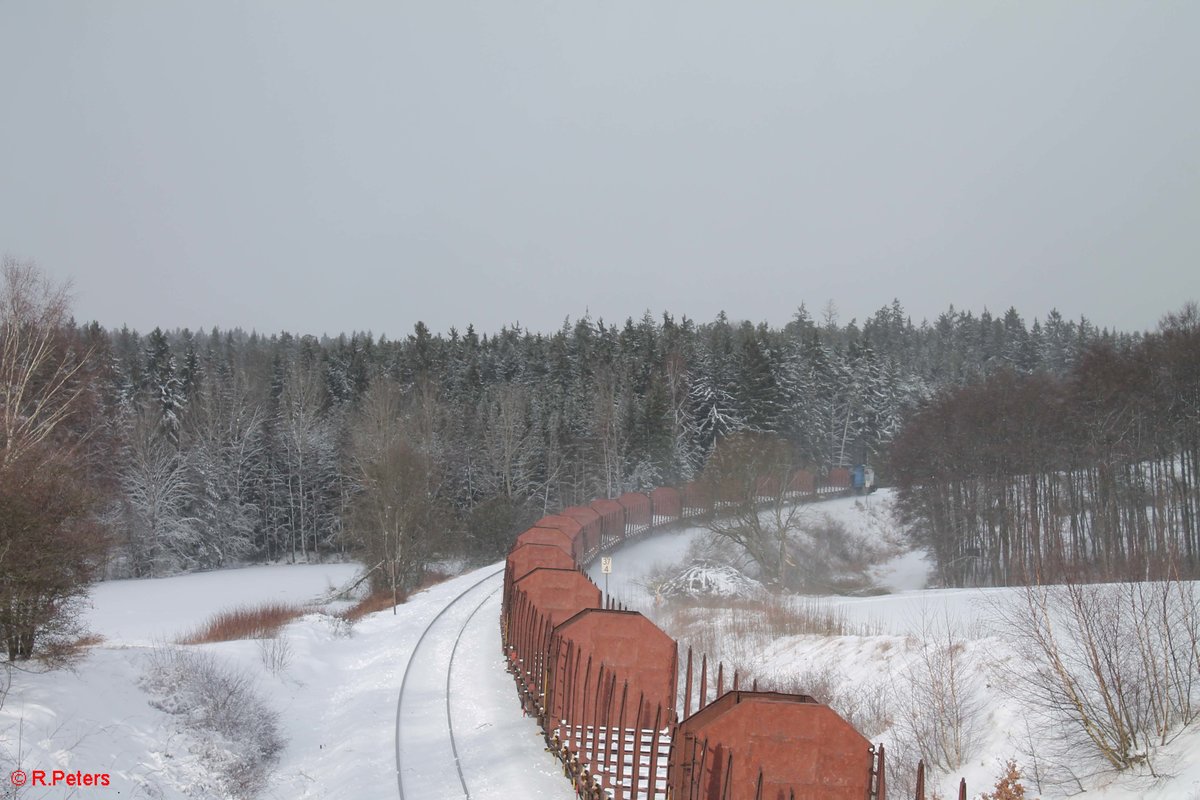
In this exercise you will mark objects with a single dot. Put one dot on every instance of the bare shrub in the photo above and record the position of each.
(806, 615)
(820, 683)
(237, 735)
(939, 713)
(275, 653)
(1034, 766)
(901, 765)
(866, 706)
(826, 557)
(698, 624)
(256, 622)
(390, 597)
(1114, 669)
(60, 652)
(337, 624)
(736, 629)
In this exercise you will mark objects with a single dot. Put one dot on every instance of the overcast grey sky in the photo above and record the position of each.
(326, 167)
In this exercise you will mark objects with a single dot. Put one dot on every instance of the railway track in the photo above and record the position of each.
(427, 758)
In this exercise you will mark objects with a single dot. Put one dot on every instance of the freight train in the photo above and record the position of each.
(604, 682)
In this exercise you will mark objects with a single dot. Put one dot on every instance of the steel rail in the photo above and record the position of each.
(449, 671)
(408, 669)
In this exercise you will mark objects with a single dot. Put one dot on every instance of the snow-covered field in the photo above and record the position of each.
(336, 697)
(143, 612)
(336, 690)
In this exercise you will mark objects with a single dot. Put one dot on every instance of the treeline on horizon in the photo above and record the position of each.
(232, 446)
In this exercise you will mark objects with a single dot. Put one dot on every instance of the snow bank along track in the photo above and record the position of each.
(430, 765)
(603, 682)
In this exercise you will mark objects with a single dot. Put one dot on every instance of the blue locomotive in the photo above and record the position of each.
(862, 479)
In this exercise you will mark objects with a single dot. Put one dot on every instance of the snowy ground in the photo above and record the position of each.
(338, 694)
(866, 670)
(146, 611)
(461, 681)
(337, 697)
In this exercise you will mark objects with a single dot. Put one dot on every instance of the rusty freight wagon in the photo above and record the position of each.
(769, 746)
(603, 683)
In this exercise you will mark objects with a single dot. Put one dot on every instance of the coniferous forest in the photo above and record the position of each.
(238, 446)
(1017, 446)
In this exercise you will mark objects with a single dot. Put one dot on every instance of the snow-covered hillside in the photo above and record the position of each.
(873, 655)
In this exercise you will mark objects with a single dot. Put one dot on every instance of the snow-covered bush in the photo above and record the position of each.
(234, 732)
(710, 580)
(718, 550)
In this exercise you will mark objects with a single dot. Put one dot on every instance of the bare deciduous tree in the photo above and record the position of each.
(49, 540)
(399, 513)
(748, 476)
(39, 386)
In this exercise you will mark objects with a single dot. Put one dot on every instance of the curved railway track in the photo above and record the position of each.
(427, 776)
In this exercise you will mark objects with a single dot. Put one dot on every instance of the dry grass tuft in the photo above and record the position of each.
(762, 620)
(382, 599)
(736, 631)
(376, 601)
(432, 577)
(255, 622)
(64, 652)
